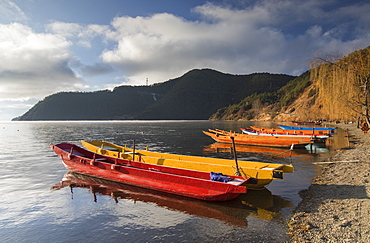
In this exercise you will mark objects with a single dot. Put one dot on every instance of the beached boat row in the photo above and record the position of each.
(311, 132)
(210, 179)
(317, 128)
(299, 123)
(259, 140)
(285, 136)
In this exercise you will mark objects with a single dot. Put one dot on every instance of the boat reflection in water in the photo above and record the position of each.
(260, 204)
(265, 205)
(261, 153)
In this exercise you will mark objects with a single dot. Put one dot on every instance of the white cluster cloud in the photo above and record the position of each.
(32, 64)
(254, 39)
(83, 35)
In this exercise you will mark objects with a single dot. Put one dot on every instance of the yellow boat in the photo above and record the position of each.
(263, 172)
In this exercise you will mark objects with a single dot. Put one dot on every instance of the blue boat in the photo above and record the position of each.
(308, 128)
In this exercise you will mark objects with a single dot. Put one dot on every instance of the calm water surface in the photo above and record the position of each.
(36, 207)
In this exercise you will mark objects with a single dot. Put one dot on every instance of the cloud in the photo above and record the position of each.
(10, 108)
(97, 69)
(33, 64)
(11, 12)
(83, 35)
(271, 36)
(67, 30)
(277, 36)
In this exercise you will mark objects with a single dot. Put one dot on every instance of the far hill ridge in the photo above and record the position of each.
(194, 96)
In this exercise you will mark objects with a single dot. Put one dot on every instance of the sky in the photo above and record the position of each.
(50, 46)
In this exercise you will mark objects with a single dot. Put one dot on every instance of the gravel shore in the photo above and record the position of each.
(336, 206)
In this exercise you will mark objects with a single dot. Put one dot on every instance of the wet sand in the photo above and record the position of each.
(336, 206)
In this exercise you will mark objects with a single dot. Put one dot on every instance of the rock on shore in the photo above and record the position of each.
(336, 207)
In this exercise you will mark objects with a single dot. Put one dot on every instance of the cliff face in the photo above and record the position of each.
(304, 108)
(339, 91)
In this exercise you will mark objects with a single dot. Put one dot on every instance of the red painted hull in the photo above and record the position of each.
(194, 184)
(190, 206)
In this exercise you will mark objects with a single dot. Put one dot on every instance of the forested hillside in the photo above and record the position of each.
(267, 103)
(196, 95)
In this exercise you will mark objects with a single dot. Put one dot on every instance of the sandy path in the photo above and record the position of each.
(336, 207)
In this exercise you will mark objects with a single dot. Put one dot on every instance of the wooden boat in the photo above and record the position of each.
(263, 172)
(308, 128)
(188, 183)
(299, 123)
(273, 141)
(291, 131)
(119, 191)
(270, 151)
(250, 131)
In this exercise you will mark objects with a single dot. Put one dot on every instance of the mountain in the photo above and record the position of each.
(194, 96)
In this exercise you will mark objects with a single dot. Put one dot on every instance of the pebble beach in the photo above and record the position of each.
(336, 206)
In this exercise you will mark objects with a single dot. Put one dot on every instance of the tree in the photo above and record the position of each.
(343, 84)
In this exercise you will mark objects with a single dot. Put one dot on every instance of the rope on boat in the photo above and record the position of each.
(290, 150)
(237, 172)
(333, 162)
(284, 152)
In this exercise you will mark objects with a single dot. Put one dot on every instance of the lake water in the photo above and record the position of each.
(36, 207)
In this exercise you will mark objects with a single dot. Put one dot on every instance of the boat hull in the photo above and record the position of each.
(174, 203)
(297, 123)
(308, 128)
(186, 183)
(273, 141)
(263, 172)
(315, 138)
(293, 131)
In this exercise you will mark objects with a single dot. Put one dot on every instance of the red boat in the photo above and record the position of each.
(190, 206)
(188, 183)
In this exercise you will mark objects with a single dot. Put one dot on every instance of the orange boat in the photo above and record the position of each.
(271, 141)
(280, 130)
(252, 131)
(227, 148)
